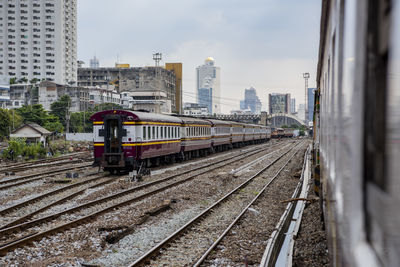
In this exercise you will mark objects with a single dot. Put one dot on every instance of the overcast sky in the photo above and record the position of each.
(265, 44)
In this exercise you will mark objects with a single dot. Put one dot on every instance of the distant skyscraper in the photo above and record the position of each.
(94, 63)
(251, 101)
(300, 112)
(38, 39)
(208, 86)
(310, 101)
(292, 105)
(279, 103)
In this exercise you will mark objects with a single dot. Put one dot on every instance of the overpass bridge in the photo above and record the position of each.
(274, 120)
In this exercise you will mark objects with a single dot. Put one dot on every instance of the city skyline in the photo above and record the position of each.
(252, 44)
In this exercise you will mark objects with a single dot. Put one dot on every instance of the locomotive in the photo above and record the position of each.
(127, 140)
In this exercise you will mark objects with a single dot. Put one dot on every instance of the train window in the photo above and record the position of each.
(176, 132)
(165, 132)
(157, 130)
(162, 133)
(153, 132)
(169, 132)
(148, 132)
(144, 132)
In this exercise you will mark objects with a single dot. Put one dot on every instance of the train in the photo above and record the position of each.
(127, 140)
(281, 132)
(356, 147)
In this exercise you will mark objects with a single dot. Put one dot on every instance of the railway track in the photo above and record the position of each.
(190, 245)
(16, 166)
(65, 193)
(6, 184)
(112, 202)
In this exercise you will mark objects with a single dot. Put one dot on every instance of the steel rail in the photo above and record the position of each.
(11, 245)
(39, 176)
(127, 191)
(216, 242)
(160, 245)
(56, 202)
(39, 161)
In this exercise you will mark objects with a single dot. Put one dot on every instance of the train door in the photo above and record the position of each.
(113, 133)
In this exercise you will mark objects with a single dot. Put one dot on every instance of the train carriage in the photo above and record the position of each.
(280, 132)
(220, 134)
(289, 132)
(257, 133)
(248, 133)
(195, 136)
(124, 139)
(237, 134)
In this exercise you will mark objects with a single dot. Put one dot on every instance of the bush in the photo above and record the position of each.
(18, 147)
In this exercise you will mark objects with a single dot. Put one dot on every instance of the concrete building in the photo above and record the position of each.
(38, 39)
(301, 112)
(279, 103)
(241, 112)
(22, 94)
(293, 105)
(194, 109)
(151, 88)
(251, 101)
(4, 96)
(208, 86)
(94, 63)
(310, 104)
(82, 98)
(177, 69)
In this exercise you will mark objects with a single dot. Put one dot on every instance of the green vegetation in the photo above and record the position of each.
(80, 122)
(9, 120)
(60, 109)
(34, 113)
(18, 147)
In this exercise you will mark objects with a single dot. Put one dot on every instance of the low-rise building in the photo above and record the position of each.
(22, 94)
(82, 98)
(194, 109)
(34, 133)
(4, 96)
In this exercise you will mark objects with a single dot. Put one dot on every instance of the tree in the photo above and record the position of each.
(5, 124)
(285, 126)
(13, 80)
(34, 113)
(294, 126)
(80, 122)
(34, 81)
(23, 80)
(60, 108)
(54, 126)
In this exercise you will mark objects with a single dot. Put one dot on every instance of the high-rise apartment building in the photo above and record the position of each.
(208, 86)
(94, 63)
(279, 103)
(251, 101)
(38, 40)
(292, 105)
(310, 103)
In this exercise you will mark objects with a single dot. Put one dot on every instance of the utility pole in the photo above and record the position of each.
(67, 117)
